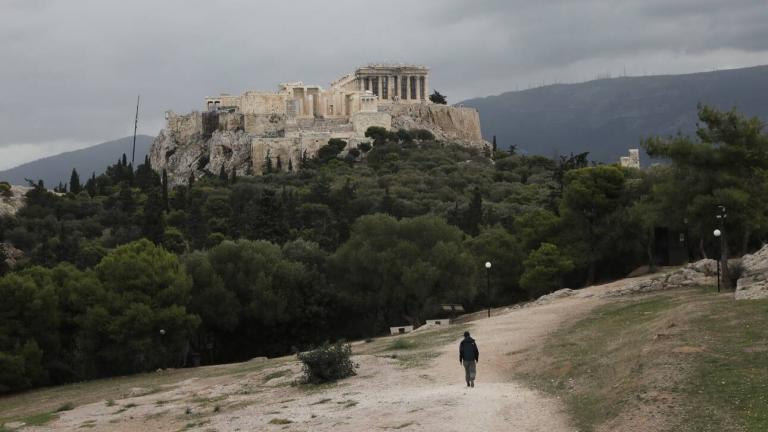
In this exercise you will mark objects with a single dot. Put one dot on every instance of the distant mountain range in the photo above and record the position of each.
(95, 159)
(608, 116)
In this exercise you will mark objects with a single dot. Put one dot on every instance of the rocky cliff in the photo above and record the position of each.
(202, 143)
(447, 123)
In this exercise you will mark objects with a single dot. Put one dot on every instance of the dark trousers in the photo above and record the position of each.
(470, 368)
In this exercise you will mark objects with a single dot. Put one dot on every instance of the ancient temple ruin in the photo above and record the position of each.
(240, 132)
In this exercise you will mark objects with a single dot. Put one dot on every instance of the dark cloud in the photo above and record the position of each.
(72, 69)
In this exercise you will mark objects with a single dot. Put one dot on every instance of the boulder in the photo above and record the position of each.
(753, 283)
(12, 255)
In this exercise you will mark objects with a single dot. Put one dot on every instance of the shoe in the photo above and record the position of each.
(473, 384)
(468, 384)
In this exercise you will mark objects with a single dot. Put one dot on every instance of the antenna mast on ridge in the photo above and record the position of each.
(135, 126)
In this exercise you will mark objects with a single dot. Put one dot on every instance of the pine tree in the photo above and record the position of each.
(290, 165)
(125, 160)
(268, 163)
(474, 214)
(91, 185)
(152, 223)
(74, 182)
(234, 176)
(223, 175)
(191, 179)
(165, 189)
(494, 144)
(279, 164)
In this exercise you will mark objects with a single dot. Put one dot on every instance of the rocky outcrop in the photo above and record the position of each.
(11, 254)
(447, 123)
(9, 205)
(699, 273)
(202, 143)
(753, 283)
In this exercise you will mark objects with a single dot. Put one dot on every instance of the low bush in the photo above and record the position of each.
(327, 363)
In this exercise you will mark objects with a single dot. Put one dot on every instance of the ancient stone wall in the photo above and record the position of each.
(268, 125)
(361, 121)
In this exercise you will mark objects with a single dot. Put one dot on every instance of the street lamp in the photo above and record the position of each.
(717, 234)
(162, 348)
(488, 285)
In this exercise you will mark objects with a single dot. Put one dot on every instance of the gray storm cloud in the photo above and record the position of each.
(72, 69)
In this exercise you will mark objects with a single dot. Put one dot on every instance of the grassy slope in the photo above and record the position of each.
(681, 361)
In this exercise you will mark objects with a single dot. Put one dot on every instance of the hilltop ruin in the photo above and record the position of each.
(239, 133)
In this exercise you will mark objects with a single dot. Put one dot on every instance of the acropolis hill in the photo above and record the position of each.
(240, 132)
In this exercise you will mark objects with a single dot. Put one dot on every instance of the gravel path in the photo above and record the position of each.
(383, 396)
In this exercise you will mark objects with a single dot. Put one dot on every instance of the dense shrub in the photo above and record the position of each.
(327, 363)
(5, 190)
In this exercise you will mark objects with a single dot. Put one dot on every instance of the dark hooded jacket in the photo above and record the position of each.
(468, 350)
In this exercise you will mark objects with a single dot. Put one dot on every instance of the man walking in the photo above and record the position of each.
(469, 356)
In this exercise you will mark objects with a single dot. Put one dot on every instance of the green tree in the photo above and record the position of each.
(591, 198)
(725, 166)
(544, 270)
(74, 182)
(438, 98)
(392, 270)
(331, 150)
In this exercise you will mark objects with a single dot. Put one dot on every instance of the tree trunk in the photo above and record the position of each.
(702, 251)
(650, 250)
(745, 242)
(591, 273)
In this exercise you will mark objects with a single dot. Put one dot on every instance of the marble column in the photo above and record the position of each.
(380, 82)
(426, 86)
(407, 87)
(360, 81)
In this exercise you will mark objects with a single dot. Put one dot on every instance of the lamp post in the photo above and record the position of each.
(723, 259)
(717, 234)
(488, 285)
(162, 347)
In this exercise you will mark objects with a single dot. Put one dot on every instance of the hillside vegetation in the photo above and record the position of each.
(122, 274)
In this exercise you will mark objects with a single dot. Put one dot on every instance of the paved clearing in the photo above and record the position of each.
(422, 390)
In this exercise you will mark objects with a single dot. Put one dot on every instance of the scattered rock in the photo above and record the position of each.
(753, 283)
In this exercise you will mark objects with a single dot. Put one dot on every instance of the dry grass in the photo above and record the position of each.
(37, 402)
(679, 361)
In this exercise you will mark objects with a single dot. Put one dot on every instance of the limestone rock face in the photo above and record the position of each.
(753, 283)
(181, 153)
(10, 205)
(231, 150)
(202, 143)
(448, 123)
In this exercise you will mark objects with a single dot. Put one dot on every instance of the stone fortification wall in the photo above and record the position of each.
(269, 125)
(449, 123)
(362, 120)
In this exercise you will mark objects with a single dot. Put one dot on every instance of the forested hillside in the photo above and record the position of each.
(609, 116)
(122, 274)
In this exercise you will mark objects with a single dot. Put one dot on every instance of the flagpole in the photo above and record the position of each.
(135, 126)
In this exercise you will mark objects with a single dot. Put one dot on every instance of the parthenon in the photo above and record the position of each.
(363, 90)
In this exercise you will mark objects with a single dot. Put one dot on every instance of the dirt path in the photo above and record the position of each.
(383, 396)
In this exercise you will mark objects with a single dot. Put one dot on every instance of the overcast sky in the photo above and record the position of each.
(70, 70)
